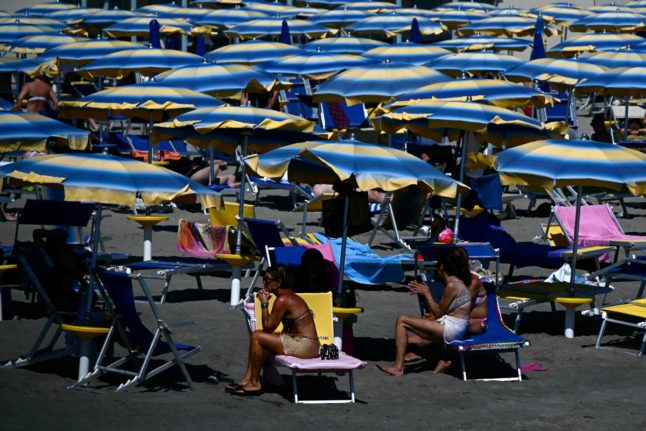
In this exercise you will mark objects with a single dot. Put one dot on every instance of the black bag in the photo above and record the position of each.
(358, 215)
(329, 352)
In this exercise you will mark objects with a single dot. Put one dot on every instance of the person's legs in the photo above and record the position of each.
(425, 328)
(258, 342)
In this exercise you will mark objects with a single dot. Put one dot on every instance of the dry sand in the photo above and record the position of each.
(583, 387)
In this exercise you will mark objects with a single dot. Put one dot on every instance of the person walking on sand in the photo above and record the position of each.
(38, 93)
(448, 320)
(299, 337)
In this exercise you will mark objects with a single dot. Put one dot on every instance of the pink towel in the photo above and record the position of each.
(201, 239)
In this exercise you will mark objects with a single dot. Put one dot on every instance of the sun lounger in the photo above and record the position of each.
(631, 314)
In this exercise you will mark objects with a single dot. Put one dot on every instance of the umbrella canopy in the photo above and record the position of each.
(220, 80)
(26, 19)
(479, 43)
(149, 101)
(617, 22)
(475, 63)
(554, 70)
(222, 127)
(410, 53)
(313, 64)
(108, 17)
(108, 179)
(146, 61)
(616, 59)
(453, 19)
(140, 26)
(25, 131)
(80, 53)
(343, 44)
(16, 30)
(44, 9)
(369, 6)
(40, 43)
(339, 18)
(627, 82)
(376, 83)
(392, 23)
(273, 26)
(594, 42)
(558, 163)
(225, 18)
(73, 16)
(367, 166)
(251, 52)
(500, 93)
(508, 25)
(469, 5)
(562, 14)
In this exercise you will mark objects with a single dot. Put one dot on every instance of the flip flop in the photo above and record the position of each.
(534, 366)
(242, 392)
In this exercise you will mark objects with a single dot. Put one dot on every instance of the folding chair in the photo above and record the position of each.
(321, 306)
(149, 345)
(294, 99)
(632, 314)
(403, 208)
(294, 189)
(313, 204)
(497, 339)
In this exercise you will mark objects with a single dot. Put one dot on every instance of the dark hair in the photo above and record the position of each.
(598, 122)
(281, 273)
(455, 261)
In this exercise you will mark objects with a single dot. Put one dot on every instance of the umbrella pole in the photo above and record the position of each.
(211, 165)
(242, 192)
(626, 119)
(575, 240)
(458, 203)
(150, 138)
(344, 242)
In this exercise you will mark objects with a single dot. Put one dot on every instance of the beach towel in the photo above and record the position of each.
(201, 239)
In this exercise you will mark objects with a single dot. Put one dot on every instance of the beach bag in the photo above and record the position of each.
(329, 352)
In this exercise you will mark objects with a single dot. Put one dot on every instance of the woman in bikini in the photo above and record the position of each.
(298, 338)
(448, 320)
(38, 93)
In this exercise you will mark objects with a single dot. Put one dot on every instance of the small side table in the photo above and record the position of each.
(86, 334)
(571, 303)
(340, 327)
(147, 222)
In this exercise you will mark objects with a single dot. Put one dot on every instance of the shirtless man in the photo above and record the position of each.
(37, 93)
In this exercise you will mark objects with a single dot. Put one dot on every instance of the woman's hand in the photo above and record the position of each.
(418, 288)
(263, 295)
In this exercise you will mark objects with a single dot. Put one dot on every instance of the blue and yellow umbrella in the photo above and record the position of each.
(111, 180)
(594, 42)
(146, 61)
(475, 63)
(391, 24)
(618, 59)
(313, 64)
(560, 163)
(479, 43)
(251, 52)
(73, 16)
(554, 70)
(273, 26)
(38, 44)
(627, 82)
(45, 9)
(562, 14)
(469, 5)
(368, 6)
(409, 53)
(41, 21)
(225, 18)
(496, 92)
(343, 44)
(510, 25)
(140, 26)
(80, 53)
(220, 80)
(614, 22)
(376, 83)
(108, 17)
(32, 132)
(455, 18)
(16, 30)
(339, 18)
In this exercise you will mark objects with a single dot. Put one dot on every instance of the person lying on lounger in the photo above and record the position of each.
(448, 320)
(299, 337)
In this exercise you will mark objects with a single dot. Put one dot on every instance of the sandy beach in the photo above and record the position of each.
(582, 386)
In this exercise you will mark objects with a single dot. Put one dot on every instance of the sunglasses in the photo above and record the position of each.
(267, 280)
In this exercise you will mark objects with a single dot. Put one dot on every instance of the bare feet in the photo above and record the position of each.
(441, 366)
(391, 369)
(411, 357)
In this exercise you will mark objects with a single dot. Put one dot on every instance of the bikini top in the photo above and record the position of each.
(288, 324)
(459, 300)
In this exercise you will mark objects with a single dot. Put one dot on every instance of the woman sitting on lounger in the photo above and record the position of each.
(299, 337)
(448, 320)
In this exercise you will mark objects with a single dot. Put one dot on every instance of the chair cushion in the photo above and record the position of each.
(345, 362)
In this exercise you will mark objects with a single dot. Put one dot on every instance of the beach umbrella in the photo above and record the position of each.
(375, 83)
(108, 17)
(153, 37)
(31, 66)
(38, 21)
(408, 52)
(469, 5)
(343, 44)
(140, 26)
(457, 64)
(272, 8)
(16, 30)
(220, 80)
(21, 131)
(224, 18)
(5, 105)
(80, 53)
(45, 9)
(179, 13)
(273, 27)
(149, 101)
(313, 64)
(594, 42)
(339, 18)
(479, 43)
(618, 59)
(554, 70)
(578, 163)
(285, 37)
(243, 121)
(499, 93)
(614, 22)
(73, 16)
(507, 25)
(40, 43)
(355, 165)
(369, 6)
(145, 61)
(562, 14)
(251, 52)
(392, 23)
(455, 18)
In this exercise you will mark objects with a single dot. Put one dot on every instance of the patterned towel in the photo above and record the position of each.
(201, 239)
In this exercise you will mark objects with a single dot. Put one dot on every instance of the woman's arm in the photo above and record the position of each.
(271, 320)
(422, 290)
